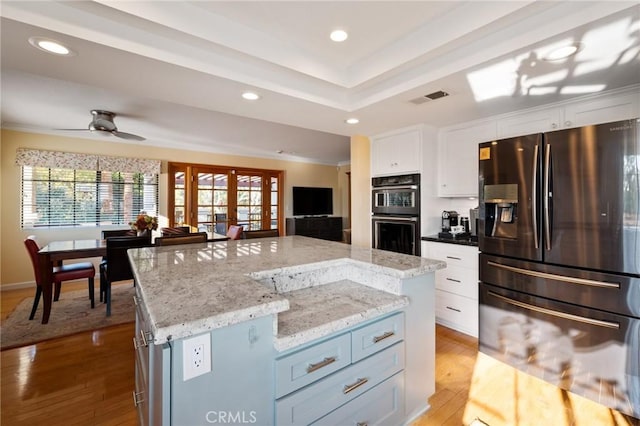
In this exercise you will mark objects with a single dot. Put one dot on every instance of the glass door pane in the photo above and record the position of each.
(274, 203)
(249, 201)
(178, 211)
(221, 203)
(213, 207)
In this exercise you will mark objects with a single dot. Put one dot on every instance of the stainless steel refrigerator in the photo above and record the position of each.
(559, 235)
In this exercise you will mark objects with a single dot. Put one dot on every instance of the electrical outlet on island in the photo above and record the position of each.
(196, 356)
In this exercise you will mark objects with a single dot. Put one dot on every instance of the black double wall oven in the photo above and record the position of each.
(559, 236)
(395, 207)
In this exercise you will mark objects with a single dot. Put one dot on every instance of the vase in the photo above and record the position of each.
(142, 233)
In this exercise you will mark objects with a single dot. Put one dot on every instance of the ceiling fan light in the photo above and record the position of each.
(51, 46)
(352, 120)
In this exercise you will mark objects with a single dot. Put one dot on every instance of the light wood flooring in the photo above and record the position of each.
(87, 379)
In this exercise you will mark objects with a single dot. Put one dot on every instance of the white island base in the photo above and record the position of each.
(350, 340)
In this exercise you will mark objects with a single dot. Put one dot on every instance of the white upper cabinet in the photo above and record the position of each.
(531, 122)
(397, 153)
(595, 110)
(602, 110)
(458, 159)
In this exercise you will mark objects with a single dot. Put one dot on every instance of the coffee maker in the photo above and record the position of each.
(449, 218)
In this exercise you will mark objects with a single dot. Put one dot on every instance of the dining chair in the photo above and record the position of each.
(197, 237)
(117, 266)
(260, 233)
(69, 272)
(108, 233)
(176, 230)
(235, 232)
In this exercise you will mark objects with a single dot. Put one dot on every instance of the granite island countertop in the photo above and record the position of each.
(191, 289)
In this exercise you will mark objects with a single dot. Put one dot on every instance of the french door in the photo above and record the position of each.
(211, 198)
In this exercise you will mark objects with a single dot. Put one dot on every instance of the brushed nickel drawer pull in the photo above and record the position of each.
(453, 309)
(546, 275)
(137, 398)
(135, 300)
(455, 281)
(357, 384)
(386, 335)
(328, 360)
(135, 343)
(564, 315)
(453, 257)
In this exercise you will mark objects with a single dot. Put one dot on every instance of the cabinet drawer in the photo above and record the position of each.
(377, 336)
(382, 405)
(141, 343)
(462, 281)
(457, 311)
(308, 365)
(313, 402)
(454, 254)
(140, 397)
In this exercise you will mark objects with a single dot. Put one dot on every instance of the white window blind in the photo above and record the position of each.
(67, 196)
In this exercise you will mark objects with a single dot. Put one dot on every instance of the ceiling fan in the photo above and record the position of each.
(103, 122)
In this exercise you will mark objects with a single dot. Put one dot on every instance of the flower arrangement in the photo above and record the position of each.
(144, 222)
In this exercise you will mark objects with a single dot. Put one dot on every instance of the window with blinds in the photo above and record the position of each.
(56, 197)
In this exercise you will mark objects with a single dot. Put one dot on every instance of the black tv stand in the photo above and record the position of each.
(323, 227)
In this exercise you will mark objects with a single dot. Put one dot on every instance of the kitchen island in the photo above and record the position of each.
(289, 330)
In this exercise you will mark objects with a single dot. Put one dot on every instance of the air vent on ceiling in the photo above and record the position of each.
(430, 97)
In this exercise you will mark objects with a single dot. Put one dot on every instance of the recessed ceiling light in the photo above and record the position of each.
(339, 35)
(563, 52)
(50, 46)
(352, 120)
(250, 96)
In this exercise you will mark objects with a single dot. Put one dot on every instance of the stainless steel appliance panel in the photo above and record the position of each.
(608, 292)
(592, 211)
(397, 234)
(509, 184)
(396, 200)
(396, 195)
(592, 353)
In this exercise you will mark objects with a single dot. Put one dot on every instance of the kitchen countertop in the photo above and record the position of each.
(464, 242)
(190, 289)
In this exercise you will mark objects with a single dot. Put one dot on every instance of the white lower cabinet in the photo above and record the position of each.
(362, 391)
(456, 285)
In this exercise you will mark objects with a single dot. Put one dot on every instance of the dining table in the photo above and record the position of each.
(56, 252)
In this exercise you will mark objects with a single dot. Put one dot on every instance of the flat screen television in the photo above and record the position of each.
(310, 201)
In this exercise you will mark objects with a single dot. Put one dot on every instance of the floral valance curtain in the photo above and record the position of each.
(75, 161)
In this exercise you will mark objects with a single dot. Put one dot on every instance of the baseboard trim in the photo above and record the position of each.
(32, 284)
(17, 286)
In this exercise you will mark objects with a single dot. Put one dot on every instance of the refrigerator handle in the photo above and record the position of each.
(547, 227)
(534, 196)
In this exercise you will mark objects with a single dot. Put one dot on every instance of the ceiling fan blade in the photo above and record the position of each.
(129, 136)
(73, 130)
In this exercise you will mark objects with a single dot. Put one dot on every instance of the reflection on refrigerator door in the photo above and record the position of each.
(590, 353)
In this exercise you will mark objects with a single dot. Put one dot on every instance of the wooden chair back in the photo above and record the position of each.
(175, 230)
(198, 237)
(118, 266)
(261, 233)
(33, 249)
(118, 233)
